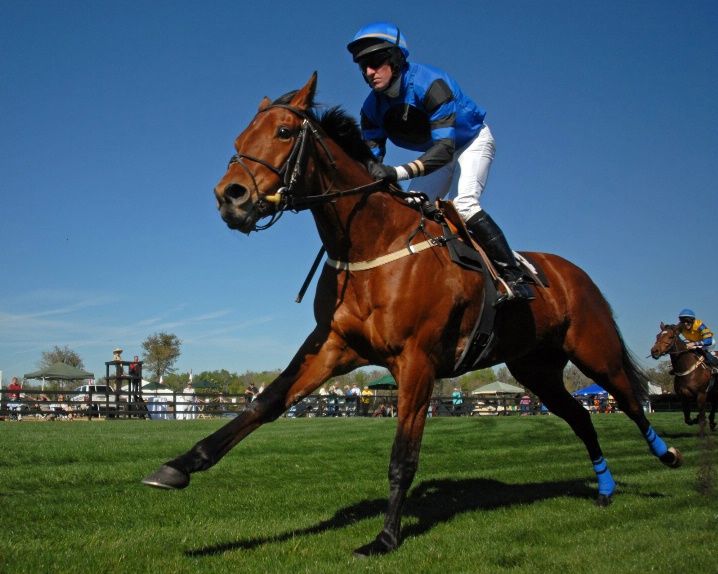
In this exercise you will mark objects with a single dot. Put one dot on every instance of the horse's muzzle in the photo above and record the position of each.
(236, 207)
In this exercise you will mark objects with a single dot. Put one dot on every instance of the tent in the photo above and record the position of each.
(590, 391)
(498, 388)
(151, 388)
(204, 385)
(386, 383)
(59, 371)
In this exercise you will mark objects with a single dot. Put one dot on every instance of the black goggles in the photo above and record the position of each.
(373, 61)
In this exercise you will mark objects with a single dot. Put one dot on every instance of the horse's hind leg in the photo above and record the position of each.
(611, 366)
(545, 378)
(686, 409)
(701, 399)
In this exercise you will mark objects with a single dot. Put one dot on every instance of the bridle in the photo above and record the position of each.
(673, 349)
(291, 171)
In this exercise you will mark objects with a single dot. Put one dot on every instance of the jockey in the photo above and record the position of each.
(421, 108)
(699, 336)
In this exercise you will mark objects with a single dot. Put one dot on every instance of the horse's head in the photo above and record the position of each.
(667, 341)
(270, 162)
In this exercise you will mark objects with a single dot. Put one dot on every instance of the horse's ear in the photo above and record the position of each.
(304, 98)
(663, 327)
(264, 104)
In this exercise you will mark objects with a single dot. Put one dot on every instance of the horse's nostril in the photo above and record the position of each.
(235, 192)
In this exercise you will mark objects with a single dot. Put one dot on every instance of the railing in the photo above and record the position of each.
(55, 405)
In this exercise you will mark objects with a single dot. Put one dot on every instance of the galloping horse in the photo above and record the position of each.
(691, 374)
(412, 314)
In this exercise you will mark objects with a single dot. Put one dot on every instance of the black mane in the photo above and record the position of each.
(340, 126)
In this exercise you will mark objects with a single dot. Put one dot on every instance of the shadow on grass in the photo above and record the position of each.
(431, 502)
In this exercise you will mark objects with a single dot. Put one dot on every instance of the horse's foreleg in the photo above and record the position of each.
(415, 389)
(320, 358)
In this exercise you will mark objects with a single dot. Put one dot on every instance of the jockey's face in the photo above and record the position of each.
(687, 322)
(377, 70)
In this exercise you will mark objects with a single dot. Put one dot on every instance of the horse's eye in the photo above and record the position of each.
(283, 133)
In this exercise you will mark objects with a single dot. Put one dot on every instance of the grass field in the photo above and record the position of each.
(509, 494)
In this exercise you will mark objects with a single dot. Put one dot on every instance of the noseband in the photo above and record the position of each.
(290, 172)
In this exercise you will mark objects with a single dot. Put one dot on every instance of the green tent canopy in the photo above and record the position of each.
(60, 371)
(386, 383)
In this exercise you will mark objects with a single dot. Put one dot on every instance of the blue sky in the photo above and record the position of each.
(118, 118)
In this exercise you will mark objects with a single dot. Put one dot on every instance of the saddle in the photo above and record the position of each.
(465, 251)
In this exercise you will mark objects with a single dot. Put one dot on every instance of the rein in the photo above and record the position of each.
(293, 168)
(290, 173)
(699, 361)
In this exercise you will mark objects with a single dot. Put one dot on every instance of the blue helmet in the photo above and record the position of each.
(687, 314)
(376, 37)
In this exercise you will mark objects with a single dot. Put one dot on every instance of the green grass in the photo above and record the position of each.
(509, 494)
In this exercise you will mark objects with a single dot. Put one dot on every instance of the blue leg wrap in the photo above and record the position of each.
(655, 443)
(606, 484)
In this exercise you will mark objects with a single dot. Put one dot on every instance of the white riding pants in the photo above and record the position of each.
(464, 176)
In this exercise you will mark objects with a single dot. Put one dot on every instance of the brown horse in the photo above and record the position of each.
(413, 314)
(691, 374)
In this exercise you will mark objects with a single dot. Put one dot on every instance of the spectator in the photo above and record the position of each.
(250, 393)
(14, 386)
(12, 405)
(135, 367)
(457, 399)
(366, 396)
(185, 410)
(525, 405)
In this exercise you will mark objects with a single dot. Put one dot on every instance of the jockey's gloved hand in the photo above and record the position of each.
(383, 172)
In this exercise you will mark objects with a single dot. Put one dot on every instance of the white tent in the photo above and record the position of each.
(149, 388)
(654, 389)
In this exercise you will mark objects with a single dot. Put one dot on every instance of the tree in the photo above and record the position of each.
(475, 379)
(573, 379)
(161, 351)
(60, 355)
(505, 376)
(662, 375)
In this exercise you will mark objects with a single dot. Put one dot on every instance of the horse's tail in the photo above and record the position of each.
(637, 377)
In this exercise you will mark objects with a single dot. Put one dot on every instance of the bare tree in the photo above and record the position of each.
(574, 379)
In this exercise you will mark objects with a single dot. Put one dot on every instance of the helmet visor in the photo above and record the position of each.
(374, 60)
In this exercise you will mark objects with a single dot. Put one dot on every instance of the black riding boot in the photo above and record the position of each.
(492, 239)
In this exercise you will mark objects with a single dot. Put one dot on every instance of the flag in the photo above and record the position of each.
(161, 381)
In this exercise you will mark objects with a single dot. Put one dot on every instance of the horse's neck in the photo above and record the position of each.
(364, 226)
(683, 357)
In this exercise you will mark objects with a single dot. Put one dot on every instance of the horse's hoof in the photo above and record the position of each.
(673, 458)
(168, 478)
(713, 426)
(382, 544)
(603, 500)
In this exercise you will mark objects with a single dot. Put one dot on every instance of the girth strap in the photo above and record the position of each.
(384, 259)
